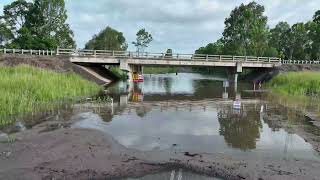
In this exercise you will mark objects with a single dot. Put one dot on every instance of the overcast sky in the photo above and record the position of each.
(183, 25)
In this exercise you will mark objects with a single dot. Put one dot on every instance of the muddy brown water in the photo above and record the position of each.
(193, 113)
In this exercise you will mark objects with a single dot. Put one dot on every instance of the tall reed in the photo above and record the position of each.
(297, 83)
(25, 89)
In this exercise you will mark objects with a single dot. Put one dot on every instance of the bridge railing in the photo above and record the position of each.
(28, 52)
(146, 55)
(300, 61)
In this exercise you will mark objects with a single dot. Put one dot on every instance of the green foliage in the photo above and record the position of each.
(26, 89)
(298, 41)
(278, 38)
(159, 70)
(5, 33)
(271, 52)
(246, 31)
(297, 83)
(119, 73)
(15, 14)
(38, 25)
(314, 35)
(212, 48)
(108, 39)
(142, 41)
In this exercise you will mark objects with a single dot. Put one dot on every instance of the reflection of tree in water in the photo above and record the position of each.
(206, 88)
(142, 111)
(240, 130)
(278, 116)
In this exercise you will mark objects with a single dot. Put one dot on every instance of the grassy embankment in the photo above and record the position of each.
(25, 89)
(297, 84)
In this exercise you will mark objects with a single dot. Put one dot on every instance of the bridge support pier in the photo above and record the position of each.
(236, 75)
(131, 69)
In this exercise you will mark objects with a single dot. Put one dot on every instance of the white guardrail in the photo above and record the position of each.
(154, 56)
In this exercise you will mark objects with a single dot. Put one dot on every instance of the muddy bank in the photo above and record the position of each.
(298, 67)
(88, 154)
(59, 64)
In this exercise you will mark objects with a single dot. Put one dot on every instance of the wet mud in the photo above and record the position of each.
(88, 154)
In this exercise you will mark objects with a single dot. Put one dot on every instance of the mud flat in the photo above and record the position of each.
(88, 154)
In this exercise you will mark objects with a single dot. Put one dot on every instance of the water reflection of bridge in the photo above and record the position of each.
(240, 129)
(201, 90)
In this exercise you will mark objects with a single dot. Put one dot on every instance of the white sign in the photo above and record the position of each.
(225, 84)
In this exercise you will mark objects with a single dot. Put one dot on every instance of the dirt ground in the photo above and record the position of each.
(88, 154)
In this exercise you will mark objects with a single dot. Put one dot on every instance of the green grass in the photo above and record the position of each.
(159, 70)
(297, 84)
(25, 89)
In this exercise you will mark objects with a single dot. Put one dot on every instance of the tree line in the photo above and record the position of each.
(247, 33)
(111, 39)
(40, 24)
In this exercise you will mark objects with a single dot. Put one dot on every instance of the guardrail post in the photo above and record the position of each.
(220, 58)
(51, 53)
(4, 51)
(246, 58)
(30, 51)
(112, 53)
(162, 55)
(269, 60)
(207, 57)
(47, 52)
(39, 52)
(21, 51)
(177, 56)
(13, 51)
(94, 53)
(57, 51)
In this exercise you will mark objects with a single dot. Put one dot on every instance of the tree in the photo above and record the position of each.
(278, 38)
(316, 17)
(47, 19)
(142, 41)
(246, 30)
(298, 42)
(271, 52)
(215, 48)
(314, 35)
(108, 39)
(15, 14)
(5, 34)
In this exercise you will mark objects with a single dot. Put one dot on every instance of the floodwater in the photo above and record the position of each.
(195, 113)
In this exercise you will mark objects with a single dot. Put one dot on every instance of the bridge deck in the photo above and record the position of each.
(147, 58)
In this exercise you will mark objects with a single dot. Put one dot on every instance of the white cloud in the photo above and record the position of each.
(183, 25)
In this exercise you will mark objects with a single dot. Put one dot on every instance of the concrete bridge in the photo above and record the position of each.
(134, 62)
(126, 58)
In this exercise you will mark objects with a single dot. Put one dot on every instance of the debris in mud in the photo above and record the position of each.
(5, 154)
(190, 155)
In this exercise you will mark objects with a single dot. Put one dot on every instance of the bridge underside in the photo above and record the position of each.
(135, 65)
